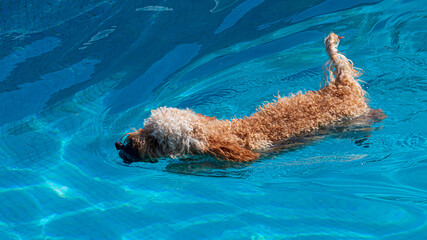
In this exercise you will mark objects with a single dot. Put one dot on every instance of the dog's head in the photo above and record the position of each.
(137, 147)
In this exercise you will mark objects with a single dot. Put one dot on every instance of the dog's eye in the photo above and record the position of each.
(128, 148)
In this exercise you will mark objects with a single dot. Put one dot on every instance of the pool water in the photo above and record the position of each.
(77, 75)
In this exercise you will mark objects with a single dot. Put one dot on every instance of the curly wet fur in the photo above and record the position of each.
(171, 132)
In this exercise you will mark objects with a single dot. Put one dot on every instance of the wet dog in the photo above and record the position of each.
(171, 132)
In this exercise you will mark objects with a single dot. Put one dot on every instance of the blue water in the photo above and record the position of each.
(76, 75)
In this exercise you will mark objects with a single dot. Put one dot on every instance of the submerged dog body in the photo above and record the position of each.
(171, 132)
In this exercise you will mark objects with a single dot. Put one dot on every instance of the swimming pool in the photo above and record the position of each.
(76, 75)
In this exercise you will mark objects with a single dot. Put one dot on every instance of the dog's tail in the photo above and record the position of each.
(338, 68)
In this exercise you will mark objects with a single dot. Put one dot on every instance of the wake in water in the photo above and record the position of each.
(171, 132)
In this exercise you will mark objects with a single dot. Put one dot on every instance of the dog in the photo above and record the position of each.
(175, 133)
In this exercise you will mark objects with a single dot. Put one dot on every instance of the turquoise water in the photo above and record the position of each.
(76, 75)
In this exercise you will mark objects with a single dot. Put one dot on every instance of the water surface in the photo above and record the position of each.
(76, 75)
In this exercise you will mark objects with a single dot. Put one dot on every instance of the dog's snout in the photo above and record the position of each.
(126, 158)
(119, 146)
(126, 152)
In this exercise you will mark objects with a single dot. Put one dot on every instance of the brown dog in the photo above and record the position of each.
(171, 132)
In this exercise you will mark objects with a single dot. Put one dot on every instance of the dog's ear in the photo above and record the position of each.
(231, 151)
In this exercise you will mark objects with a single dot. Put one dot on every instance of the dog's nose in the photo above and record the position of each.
(119, 146)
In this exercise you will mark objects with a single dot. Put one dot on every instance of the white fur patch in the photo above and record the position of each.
(174, 130)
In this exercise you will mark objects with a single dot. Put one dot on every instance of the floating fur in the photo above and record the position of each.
(171, 132)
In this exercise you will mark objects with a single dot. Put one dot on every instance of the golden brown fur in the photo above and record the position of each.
(171, 132)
